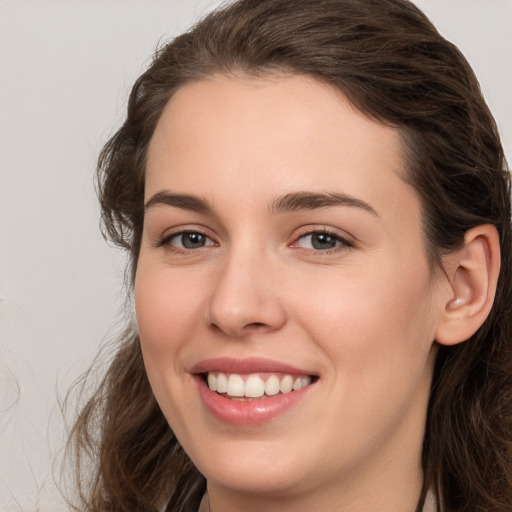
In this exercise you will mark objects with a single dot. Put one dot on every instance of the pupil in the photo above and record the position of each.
(323, 241)
(192, 240)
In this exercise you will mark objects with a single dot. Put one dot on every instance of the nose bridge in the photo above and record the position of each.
(246, 296)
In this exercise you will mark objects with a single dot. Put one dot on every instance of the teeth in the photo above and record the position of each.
(212, 382)
(286, 384)
(236, 386)
(254, 386)
(272, 385)
(222, 383)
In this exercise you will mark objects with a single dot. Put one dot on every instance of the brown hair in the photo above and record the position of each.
(393, 65)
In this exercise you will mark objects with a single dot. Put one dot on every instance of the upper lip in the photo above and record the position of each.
(246, 366)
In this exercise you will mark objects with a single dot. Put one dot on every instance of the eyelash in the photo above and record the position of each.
(166, 241)
(340, 241)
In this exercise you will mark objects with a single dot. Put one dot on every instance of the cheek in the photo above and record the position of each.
(381, 320)
(377, 335)
(168, 312)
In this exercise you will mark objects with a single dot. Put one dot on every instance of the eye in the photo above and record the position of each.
(322, 241)
(188, 240)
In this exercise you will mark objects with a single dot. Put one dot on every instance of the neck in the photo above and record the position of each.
(388, 491)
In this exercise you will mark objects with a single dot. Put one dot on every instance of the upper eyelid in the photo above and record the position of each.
(343, 241)
(168, 235)
(184, 228)
(315, 229)
(300, 232)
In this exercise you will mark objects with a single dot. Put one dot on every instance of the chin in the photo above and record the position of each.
(247, 480)
(257, 469)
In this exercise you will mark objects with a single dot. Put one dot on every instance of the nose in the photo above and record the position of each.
(246, 298)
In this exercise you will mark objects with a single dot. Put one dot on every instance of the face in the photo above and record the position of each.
(283, 265)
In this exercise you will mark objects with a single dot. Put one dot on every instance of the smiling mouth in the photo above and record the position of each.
(255, 386)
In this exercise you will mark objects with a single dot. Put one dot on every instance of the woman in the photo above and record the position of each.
(317, 210)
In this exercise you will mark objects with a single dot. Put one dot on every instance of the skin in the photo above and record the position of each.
(361, 316)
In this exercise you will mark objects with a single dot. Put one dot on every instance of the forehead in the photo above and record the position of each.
(266, 109)
(227, 136)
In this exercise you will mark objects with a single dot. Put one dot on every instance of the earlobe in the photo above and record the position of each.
(473, 274)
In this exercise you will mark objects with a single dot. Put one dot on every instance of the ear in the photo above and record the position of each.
(473, 275)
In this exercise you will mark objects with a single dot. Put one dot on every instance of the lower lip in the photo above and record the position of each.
(248, 412)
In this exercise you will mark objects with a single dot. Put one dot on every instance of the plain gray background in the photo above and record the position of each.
(66, 67)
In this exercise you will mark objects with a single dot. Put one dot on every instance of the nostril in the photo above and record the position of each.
(244, 330)
(255, 325)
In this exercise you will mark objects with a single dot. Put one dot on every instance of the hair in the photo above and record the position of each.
(388, 59)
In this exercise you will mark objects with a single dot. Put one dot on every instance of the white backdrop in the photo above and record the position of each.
(65, 71)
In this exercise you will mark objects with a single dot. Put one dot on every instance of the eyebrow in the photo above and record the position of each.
(183, 201)
(294, 201)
